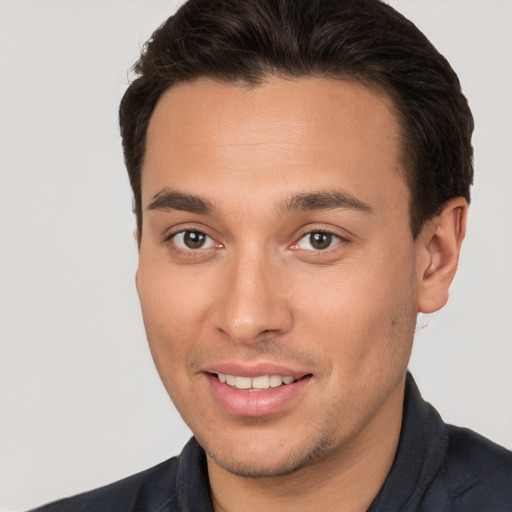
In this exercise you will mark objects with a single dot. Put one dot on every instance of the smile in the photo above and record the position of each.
(259, 394)
(258, 383)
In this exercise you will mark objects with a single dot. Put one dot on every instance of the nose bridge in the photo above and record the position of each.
(253, 303)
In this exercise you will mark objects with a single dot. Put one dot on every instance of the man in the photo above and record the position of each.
(301, 175)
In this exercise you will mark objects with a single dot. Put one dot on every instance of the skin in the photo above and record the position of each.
(258, 291)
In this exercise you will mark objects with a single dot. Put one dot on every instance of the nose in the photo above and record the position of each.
(254, 303)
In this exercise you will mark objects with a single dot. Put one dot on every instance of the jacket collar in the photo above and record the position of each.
(421, 451)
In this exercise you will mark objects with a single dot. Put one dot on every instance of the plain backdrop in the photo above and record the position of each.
(80, 402)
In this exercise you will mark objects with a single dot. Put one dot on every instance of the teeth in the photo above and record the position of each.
(243, 382)
(255, 383)
(261, 382)
(275, 380)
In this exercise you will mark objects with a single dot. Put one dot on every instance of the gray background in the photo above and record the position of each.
(80, 402)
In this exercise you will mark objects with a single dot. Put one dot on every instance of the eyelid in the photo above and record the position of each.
(310, 230)
(172, 231)
(171, 234)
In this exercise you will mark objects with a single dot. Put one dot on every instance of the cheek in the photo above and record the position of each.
(365, 318)
(173, 314)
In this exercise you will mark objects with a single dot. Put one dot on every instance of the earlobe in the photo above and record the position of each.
(439, 245)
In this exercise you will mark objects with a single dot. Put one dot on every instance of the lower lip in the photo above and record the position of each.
(242, 402)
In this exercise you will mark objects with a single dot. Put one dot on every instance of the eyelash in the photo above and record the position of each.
(333, 239)
(171, 240)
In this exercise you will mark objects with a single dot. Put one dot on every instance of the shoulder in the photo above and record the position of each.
(476, 452)
(476, 475)
(149, 490)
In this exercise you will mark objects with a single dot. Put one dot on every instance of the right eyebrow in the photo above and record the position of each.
(173, 200)
(324, 200)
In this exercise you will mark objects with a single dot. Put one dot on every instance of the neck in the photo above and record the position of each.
(348, 479)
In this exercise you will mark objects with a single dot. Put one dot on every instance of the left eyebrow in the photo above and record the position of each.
(168, 199)
(329, 200)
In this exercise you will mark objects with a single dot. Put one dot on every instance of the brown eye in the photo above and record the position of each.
(193, 240)
(318, 241)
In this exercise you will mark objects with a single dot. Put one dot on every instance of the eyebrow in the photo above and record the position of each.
(311, 201)
(324, 201)
(173, 200)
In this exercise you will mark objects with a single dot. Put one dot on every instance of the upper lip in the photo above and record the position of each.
(254, 370)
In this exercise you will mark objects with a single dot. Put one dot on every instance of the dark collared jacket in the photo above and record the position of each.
(437, 468)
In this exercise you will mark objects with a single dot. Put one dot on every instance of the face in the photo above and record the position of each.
(277, 268)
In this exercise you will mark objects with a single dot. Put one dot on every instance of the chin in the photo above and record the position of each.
(272, 463)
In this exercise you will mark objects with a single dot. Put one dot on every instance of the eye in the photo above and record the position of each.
(193, 240)
(317, 241)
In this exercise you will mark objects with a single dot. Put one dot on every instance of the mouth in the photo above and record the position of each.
(257, 393)
(258, 383)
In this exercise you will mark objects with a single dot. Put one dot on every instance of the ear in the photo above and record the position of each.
(438, 249)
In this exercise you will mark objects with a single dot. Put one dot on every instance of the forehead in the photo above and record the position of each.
(304, 131)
